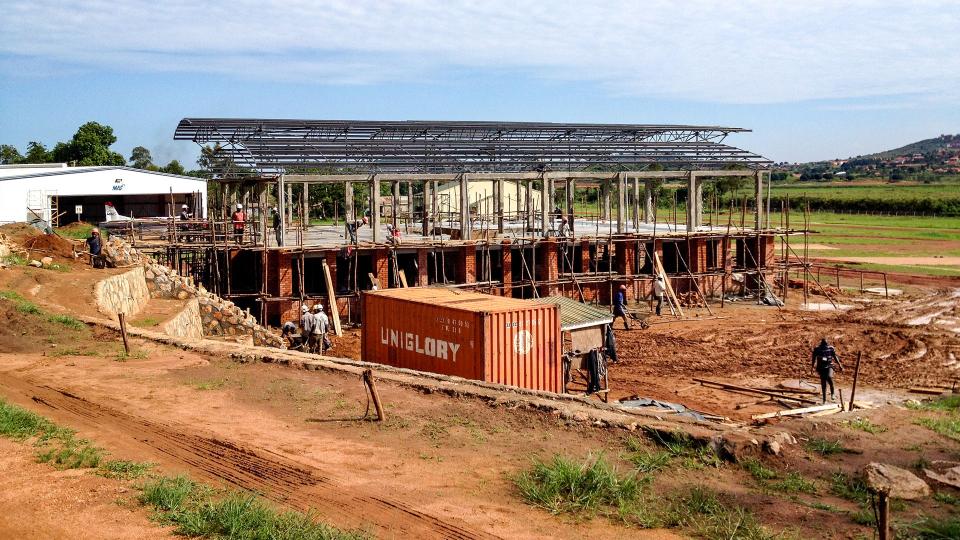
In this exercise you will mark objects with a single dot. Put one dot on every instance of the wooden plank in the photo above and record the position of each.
(403, 279)
(927, 391)
(332, 299)
(373, 280)
(797, 412)
(727, 386)
(666, 281)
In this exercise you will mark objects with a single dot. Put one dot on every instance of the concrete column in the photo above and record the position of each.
(427, 208)
(545, 209)
(648, 201)
(305, 205)
(621, 202)
(289, 203)
(691, 202)
(464, 207)
(434, 207)
(375, 208)
(605, 195)
(394, 202)
(282, 192)
(635, 202)
(498, 203)
(348, 214)
(758, 195)
(410, 202)
(552, 197)
(571, 201)
(528, 203)
(698, 199)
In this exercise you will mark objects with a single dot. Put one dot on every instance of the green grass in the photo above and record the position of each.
(123, 469)
(67, 321)
(864, 424)
(58, 446)
(21, 304)
(946, 498)
(145, 322)
(703, 513)
(931, 528)
(563, 485)
(693, 454)
(947, 403)
(18, 423)
(199, 511)
(758, 470)
(15, 260)
(122, 355)
(794, 482)
(848, 487)
(824, 447)
(71, 351)
(72, 453)
(649, 462)
(76, 231)
(948, 427)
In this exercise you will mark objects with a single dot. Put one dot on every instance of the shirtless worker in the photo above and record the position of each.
(824, 357)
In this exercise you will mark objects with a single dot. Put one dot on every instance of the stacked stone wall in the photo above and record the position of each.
(123, 293)
(187, 323)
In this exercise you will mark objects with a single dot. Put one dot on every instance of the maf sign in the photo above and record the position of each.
(118, 184)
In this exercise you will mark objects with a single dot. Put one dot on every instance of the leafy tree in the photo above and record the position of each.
(174, 167)
(140, 158)
(90, 145)
(9, 154)
(37, 153)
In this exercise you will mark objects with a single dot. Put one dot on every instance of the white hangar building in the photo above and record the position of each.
(55, 192)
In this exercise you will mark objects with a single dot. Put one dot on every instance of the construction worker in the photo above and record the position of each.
(239, 219)
(658, 289)
(185, 215)
(318, 336)
(620, 306)
(393, 235)
(824, 357)
(307, 323)
(352, 227)
(289, 332)
(95, 245)
(277, 224)
(564, 228)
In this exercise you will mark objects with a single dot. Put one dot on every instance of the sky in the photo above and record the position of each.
(813, 79)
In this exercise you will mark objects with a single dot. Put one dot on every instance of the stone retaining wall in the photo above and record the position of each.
(123, 293)
(187, 323)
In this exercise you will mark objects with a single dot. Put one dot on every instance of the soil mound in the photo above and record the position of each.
(49, 244)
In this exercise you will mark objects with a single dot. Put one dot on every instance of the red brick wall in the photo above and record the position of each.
(467, 264)
(506, 259)
(381, 267)
(423, 276)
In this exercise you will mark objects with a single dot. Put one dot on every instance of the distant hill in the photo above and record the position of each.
(925, 147)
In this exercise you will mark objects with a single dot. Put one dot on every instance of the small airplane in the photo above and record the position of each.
(112, 214)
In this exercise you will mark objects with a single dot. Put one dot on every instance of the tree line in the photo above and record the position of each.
(89, 146)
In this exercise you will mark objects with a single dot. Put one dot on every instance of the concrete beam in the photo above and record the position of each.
(481, 177)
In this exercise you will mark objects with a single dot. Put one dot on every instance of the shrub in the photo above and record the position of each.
(565, 486)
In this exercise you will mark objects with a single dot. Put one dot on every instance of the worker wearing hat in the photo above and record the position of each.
(620, 306)
(239, 219)
(658, 289)
(318, 334)
(564, 228)
(306, 326)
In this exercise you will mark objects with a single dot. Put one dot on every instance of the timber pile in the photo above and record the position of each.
(798, 402)
(691, 299)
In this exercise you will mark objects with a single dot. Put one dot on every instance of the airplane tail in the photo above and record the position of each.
(112, 214)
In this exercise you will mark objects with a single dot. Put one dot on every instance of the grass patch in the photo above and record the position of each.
(864, 424)
(703, 513)
(72, 453)
(21, 304)
(197, 510)
(946, 498)
(145, 322)
(565, 486)
(693, 455)
(650, 462)
(123, 469)
(71, 351)
(68, 321)
(15, 260)
(824, 447)
(936, 528)
(18, 423)
(851, 488)
(794, 482)
(824, 506)
(122, 355)
(77, 231)
(757, 470)
(214, 384)
(948, 427)
(947, 404)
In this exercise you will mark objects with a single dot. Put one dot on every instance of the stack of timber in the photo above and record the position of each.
(798, 401)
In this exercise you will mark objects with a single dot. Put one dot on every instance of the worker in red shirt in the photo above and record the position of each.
(239, 219)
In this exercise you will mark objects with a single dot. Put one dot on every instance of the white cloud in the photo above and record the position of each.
(730, 52)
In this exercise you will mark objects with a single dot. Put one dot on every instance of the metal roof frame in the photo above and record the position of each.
(265, 146)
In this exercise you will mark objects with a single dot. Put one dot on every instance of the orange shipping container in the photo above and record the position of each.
(471, 335)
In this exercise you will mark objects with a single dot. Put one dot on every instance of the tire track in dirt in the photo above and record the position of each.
(277, 477)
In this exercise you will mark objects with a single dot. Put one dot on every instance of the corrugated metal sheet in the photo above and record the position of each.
(574, 315)
(470, 335)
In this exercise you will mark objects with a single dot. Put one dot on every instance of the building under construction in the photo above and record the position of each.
(513, 209)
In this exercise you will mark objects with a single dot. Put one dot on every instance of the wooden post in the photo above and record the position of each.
(883, 515)
(123, 332)
(372, 387)
(856, 376)
(332, 299)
